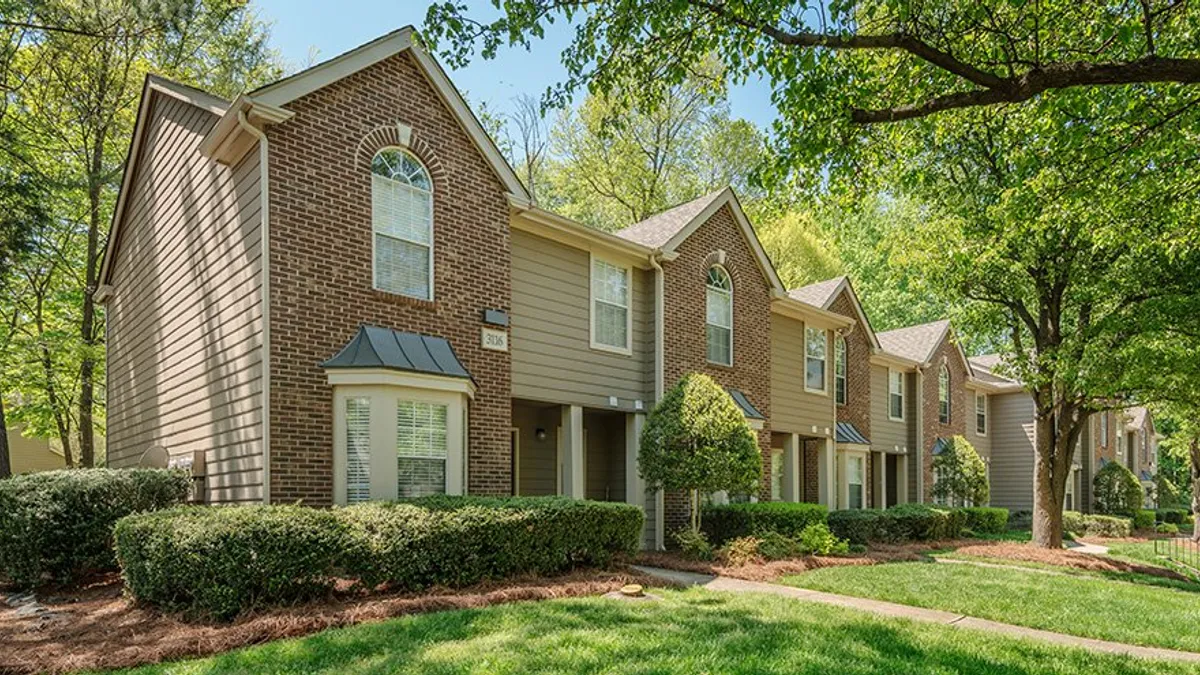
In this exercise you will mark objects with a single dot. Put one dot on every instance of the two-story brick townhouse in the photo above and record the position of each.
(1125, 436)
(334, 288)
(875, 400)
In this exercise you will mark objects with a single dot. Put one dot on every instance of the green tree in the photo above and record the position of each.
(961, 477)
(696, 439)
(1116, 490)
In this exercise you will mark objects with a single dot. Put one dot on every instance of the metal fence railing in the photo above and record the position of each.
(1180, 550)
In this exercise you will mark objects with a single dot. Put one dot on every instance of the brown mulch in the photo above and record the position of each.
(776, 569)
(94, 627)
(1064, 558)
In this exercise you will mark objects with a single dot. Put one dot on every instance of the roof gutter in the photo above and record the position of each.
(783, 304)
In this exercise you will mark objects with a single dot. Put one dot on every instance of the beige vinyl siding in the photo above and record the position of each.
(1012, 451)
(185, 318)
(886, 434)
(27, 455)
(552, 358)
(793, 409)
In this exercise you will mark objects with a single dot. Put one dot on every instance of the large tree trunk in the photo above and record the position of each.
(5, 462)
(1194, 451)
(1053, 443)
(87, 327)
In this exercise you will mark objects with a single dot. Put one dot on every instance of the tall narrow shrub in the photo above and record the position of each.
(1116, 490)
(961, 474)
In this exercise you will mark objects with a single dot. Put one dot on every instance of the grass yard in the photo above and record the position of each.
(1080, 605)
(692, 631)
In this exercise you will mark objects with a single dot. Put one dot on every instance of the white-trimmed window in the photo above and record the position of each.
(856, 481)
(895, 395)
(611, 295)
(776, 474)
(839, 370)
(421, 449)
(981, 413)
(402, 224)
(944, 395)
(358, 449)
(815, 350)
(719, 316)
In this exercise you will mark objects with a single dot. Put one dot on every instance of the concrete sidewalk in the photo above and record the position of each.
(893, 610)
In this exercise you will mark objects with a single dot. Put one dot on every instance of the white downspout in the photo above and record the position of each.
(264, 228)
(659, 361)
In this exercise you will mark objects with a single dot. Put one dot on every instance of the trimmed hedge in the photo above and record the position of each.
(900, 523)
(724, 522)
(456, 541)
(1096, 526)
(59, 524)
(1143, 519)
(986, 519)
(1173, 516)
(220, 562)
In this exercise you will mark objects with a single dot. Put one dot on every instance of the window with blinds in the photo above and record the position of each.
(610, 305)
(421, 448)
(895, 395)
(839, 370)
(402, 222)
(815, 349)
(719, 316)
(358, 449)
(944, 395)
(855, 474)
(981, 414)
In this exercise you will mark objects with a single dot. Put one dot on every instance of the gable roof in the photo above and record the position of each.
(154, 85)
(1137, 416)
(667, 230)
(823, 294)
(916, 343)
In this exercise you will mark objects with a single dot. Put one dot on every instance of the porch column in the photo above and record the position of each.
(902, 479)
(572, 445)
(879, 476)
(826, 490)
(791, 468)
(635, 488)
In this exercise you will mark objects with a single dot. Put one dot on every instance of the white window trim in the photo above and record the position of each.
(384, 397)
(627, 350)
(432, 238)
(987, 422)
(945, 370)
(843, 477)
(707, 324)
(891, 375)
(824, 390)
(845, 376)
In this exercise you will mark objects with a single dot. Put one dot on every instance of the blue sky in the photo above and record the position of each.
(334, 27)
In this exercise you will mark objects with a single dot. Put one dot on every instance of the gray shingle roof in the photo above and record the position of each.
(375, 347)
(1137, 416)
(848, 433)
(818, 294)
(657, 230)
(744, 403)
(915, 342)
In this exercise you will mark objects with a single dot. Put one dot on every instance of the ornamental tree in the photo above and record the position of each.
(961, 474)
(1116, 490)
(696, 439)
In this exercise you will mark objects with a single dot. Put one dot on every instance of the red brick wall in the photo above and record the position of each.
(812, 485)
(321, 285)
(962, 405)
(684, 334)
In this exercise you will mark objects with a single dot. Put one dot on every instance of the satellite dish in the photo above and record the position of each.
(155, 457)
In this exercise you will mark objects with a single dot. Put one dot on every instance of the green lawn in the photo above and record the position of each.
(692, 631)
(1080, 605)
(1131, 577)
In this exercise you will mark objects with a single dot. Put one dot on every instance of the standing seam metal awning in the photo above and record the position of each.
(744, 403)
(375, 347)
(849, 434)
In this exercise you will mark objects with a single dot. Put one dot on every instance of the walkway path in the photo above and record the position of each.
(893, 610)
(1084, 547)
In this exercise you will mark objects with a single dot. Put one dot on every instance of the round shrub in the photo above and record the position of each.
(1096, 526)
(728, 521)
(59, 524)
(738, 552)
(1116, 490)
(456, 541)
(985, 519)
(1167, 528)
(220, 561)
(1143, 519)
(817, 539)
(962, 475)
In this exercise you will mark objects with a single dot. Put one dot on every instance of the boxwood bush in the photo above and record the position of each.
(1096, 526)
(455, 541)
(59, 524)
(220, 561)
(1173, 516)
(730, 521)
(986, 519)
(1143, 519)
(900, 523)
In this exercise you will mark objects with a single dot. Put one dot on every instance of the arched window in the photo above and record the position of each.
(944, 395)
(402, 222)
(719, 316)
(839, 370)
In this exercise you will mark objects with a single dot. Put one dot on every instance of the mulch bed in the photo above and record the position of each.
(93, 626)
(776, 569)
(1064, 558)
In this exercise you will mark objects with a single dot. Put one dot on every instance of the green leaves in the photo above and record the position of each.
(960, 474)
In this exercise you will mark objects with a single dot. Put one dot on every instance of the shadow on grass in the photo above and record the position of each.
(695, 631)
